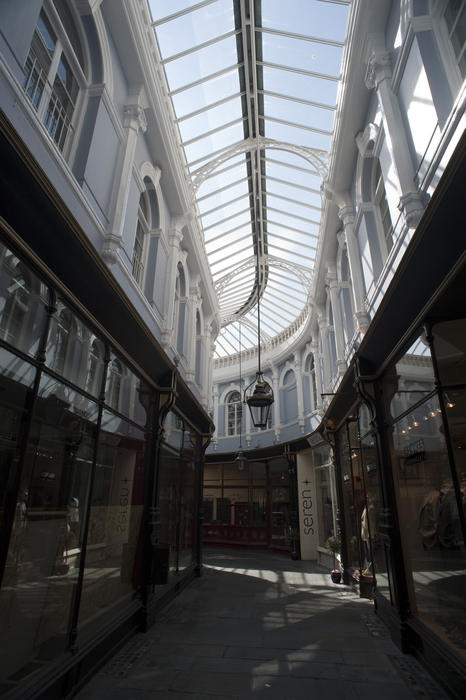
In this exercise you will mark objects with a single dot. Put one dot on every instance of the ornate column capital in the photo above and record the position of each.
(411, 206)
(379, 68)
(134, 117)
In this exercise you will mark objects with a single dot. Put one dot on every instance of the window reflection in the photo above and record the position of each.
(22, 303)
(45, 549)
(111, 571)
(431, 531)
(73, 351)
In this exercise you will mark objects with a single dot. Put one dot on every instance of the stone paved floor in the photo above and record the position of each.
(258, 625)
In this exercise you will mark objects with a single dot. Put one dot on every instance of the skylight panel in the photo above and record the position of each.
(308, 237)
(297, 113)
(304, 209)
(210, 118)
(203, 147)
(294, 134)
(196, 27)
(162, 10)
(225, 210)
(306, 55)
(199, 64)
(230, 191)
(322, 19)
(207, 92)
(299, 85)
(293, 191)
(294, 174)
(230, 222)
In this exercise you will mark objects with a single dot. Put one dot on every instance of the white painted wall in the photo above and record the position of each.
(307, 505)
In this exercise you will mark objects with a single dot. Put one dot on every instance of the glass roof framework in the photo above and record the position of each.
(254, 86)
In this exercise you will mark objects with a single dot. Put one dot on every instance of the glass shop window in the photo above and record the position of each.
(450, 351)
(112, 566)
(126, 392)
(73, 351)
(431, 527)
(23, 299)
(326, 495)
(187, 515)
(431, 489)
(16, 382)
(411, 380)
(375, 561)
(353, 492)
(45, 550)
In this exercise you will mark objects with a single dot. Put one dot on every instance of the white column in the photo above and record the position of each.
(175, 237)
(215, 413)
(299, 391)
(323, 330)
(193, 304)
(378, 76)
(207, 363)
(319, 390)
(346, 214)
(334, 289)
(134, 121)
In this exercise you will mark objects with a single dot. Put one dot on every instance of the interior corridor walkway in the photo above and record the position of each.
(258, 625)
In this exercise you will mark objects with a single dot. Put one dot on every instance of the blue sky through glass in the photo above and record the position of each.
(293, 59)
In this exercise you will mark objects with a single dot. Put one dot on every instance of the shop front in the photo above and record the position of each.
(397, 427)
(101, 456)
(252, 505)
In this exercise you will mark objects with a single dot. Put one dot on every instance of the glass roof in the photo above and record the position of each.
(254, 88)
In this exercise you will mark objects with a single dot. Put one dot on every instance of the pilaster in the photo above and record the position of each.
(334, 289)
(134, 121)
(378, 77)
(175, 236)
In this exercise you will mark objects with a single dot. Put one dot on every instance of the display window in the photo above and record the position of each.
(45, 549)
(428, 467)
(326, 495)
(23, 301)
(111, 571)
(248, 504)
(176, 495)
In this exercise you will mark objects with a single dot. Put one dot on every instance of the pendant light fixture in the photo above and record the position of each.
(259, 394)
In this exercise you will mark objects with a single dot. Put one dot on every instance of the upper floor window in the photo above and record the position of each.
(381, 206)
(114, 384)
(310, 368)
(234, 413)
(455, 20)
(140, 241)
(50, 77)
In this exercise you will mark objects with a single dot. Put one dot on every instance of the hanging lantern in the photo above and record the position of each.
(240, 460)
(259, 399)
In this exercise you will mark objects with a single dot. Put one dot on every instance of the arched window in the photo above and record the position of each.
(95, 366)
(114, 383)
(312, 373)
(17, 301)
(66, 329)
(53, 73)
(382, 211)
(234, 413)
(180, 310)
(140, 241)
(198, 357)
(454, 14)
